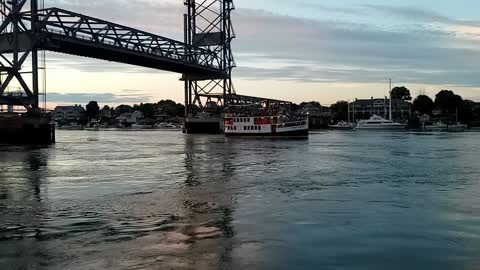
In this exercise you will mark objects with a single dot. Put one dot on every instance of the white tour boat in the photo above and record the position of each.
(266, 126)
(379, 123)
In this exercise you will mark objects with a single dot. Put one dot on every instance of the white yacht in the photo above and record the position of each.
(379, 123)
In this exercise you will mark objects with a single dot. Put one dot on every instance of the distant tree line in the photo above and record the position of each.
(167, 108)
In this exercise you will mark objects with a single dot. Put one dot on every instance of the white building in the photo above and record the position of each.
(68, 113)
(130, 118)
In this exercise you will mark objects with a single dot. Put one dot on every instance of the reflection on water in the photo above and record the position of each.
(163, 200)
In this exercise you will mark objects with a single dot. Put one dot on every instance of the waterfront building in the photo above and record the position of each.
(130, 118)
(68, 113)
(365, 108)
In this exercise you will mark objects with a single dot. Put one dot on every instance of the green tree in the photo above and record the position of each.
(169, 107)
(448, 101)
(467, 111)
(148, 109)
(123, 109)
(340, 110)
(476, 113)
(423, 104)
(401, 93)
(92, 109)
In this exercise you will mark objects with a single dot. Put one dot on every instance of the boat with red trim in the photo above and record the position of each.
(266, 126)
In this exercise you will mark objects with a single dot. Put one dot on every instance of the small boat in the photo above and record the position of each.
(379, 123)
(437, 126)
(73, 126)
(457, 127)
(342, 125)
(266, 126)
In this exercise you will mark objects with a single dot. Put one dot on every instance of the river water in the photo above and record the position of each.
(164, 200)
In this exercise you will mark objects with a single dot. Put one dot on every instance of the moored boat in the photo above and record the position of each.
(437, 126)
(457, 127)
(342, 125)
(379, 123)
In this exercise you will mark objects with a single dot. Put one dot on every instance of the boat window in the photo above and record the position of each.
(244, 128)
(235, 127)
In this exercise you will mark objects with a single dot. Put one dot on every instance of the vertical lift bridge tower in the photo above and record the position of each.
(208, 25)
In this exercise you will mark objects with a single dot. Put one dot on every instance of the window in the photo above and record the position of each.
(235, 127)
(245, 128)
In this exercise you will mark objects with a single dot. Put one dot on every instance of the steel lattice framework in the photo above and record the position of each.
(208, 25)
(23, 33)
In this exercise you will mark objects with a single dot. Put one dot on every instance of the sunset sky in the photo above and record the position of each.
(294, 50)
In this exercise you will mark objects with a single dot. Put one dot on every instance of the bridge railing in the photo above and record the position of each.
(76, 26)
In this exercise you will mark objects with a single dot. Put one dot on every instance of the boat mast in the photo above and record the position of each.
(390, 109)
(354, 111)
(349, 111)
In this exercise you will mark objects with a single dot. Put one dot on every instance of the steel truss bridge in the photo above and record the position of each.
(204, 58)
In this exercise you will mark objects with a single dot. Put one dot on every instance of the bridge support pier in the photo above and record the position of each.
(32, 127)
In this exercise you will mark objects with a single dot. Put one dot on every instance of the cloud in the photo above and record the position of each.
(417, 46)
(130, 96)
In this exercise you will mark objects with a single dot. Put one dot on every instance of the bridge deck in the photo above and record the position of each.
(72, 33)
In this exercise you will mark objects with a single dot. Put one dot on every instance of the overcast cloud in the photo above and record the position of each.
(363, 43)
